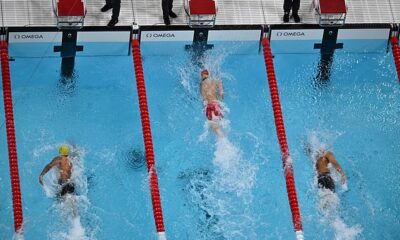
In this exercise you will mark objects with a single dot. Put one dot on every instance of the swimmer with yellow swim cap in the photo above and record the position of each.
(64, 165)
(64, 150)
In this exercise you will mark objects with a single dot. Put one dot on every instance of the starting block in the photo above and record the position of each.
(70, 13)
(201, 13)
(330, 12)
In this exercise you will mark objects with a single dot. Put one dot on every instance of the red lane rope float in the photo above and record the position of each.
(396, 54)
(12, 147)
(280, 131)
(144, 114)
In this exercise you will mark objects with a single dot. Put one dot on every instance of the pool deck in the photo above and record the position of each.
(230, 12)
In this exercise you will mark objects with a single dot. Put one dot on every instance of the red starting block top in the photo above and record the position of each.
(67, 8)
(332, 6)
(202, 7)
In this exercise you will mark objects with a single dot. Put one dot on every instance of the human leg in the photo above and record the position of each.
(287, 5)
(171, 13)
(116, 8)
(165, 4)
(295, 10)
(107, 6)
(295, 6)
(217, 129)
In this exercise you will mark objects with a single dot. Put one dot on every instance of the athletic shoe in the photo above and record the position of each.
(286, 17)
(296, 17)
(167, 21)
(112, 22)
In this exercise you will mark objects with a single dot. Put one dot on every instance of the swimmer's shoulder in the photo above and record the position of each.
(56, 159)
(328, 155)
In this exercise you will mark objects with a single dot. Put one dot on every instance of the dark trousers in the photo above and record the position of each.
(166, 7)
(116, 5)
(291, 4)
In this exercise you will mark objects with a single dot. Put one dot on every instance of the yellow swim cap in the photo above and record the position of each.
(64, 150)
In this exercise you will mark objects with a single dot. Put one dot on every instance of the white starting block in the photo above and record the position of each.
(201, 13)
(70, 13)
(330, 12)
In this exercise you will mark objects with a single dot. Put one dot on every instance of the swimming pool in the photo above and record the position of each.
(210, 189)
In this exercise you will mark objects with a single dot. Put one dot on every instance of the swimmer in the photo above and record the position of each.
(325, 180)
(64, 165)
(212, 92)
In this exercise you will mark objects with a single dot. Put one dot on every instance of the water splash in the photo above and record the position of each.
(18, 236)
(204, 134)
(77, 231)
(328, 206)
(344, 232)
(224, 195)
(234, 173)
(189, 74)
(319, 141)
(37, 152)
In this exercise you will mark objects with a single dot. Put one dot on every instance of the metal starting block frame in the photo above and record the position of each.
(201, 13)
(330, 13)
(71, 16)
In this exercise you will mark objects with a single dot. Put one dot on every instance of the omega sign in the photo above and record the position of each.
(290, 34)
(160, 35)
(28, 36)
(297, 34)
(35, 37)
(167, 36)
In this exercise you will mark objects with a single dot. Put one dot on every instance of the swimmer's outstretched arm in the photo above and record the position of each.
(47, 168)
(335, 163)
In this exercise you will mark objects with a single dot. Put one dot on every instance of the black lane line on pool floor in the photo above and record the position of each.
(327, 49)
(68, 51)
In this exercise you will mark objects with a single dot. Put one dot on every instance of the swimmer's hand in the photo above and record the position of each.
(345, 188)
(41, 179)
(343, 179)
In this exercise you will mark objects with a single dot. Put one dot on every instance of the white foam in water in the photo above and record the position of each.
(344, 188)
(44, 149)
(18, 236)
(225, 195)
(236, 173)
(343, 232)
(226, 155)
(185, 76)
(234, 177)
(204, 135)
(77, 231)
(328, 205)
(329, 202)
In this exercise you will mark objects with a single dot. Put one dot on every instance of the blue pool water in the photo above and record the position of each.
(230, 189)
